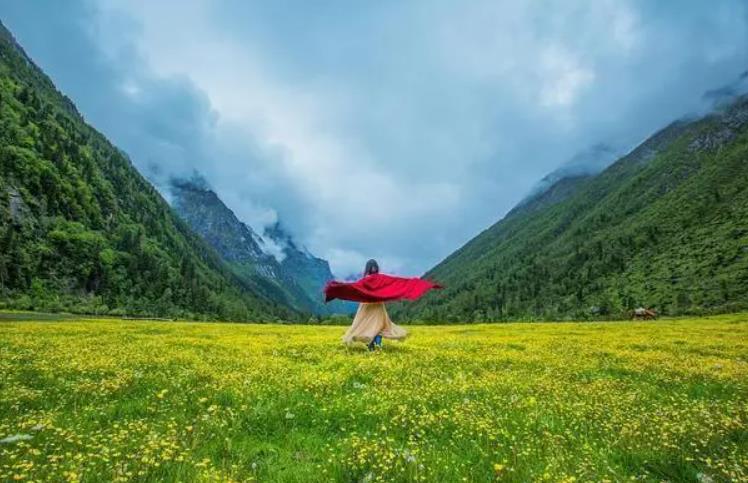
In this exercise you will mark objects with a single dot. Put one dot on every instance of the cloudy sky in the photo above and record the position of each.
(388, 129)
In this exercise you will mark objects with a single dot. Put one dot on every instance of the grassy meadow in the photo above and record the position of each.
(103, 400)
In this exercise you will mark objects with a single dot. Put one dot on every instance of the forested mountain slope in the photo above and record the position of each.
(81, 230)
(238, 245)
(311, 273)
(272, 263)
(665, 227)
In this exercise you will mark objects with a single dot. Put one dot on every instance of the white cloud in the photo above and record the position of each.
(392, 136)
(564, 78)
(392, 130)
(131, 89)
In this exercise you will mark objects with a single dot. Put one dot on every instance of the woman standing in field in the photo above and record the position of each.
(372, 322)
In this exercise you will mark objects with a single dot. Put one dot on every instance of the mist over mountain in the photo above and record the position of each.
(291, 126)
(721, 97)
(665, 226)
(586, 163)
(272, 263)
(83, 231)
(477, 102)
(309, 271)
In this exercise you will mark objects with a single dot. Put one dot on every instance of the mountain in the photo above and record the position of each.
(585, 164)
(665, 226)
(83, 231)
(310, 272)
(272, 263)
(727, 93)
(236, 242)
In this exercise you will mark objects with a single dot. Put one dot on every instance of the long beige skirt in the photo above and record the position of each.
(370, 320)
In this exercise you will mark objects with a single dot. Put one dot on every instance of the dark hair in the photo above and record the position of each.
(371, 267)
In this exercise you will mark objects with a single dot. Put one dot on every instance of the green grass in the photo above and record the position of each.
(151, 401)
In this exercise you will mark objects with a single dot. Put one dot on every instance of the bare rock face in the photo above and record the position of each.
(283, 269)
(19, 211)
(201, 208)
(313, 272)
(309, 271)
(729, 121)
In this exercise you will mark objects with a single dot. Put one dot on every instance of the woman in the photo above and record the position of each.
(371, 322)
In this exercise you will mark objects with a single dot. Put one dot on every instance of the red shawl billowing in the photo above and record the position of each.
(379, 287)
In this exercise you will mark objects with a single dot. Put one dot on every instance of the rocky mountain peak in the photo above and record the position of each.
(273, 260)
(202, 209)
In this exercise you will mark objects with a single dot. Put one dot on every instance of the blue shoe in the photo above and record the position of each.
(378, 341)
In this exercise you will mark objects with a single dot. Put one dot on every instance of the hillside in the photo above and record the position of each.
(83, 231)
(311, 273)
(665, 226)
(272, 263)
(239, 246)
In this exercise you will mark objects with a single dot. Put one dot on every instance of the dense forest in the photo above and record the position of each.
(664, 227)
(82, 231)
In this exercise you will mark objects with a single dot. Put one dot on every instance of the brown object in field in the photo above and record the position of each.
(644, 314)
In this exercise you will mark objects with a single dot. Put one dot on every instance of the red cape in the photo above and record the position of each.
(379, 287)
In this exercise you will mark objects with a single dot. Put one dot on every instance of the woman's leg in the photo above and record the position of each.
(376, 341)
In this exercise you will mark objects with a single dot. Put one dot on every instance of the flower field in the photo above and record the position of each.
(102, 400)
